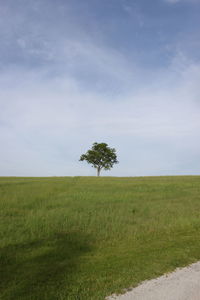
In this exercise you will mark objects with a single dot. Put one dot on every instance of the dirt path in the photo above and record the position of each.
(182, 284)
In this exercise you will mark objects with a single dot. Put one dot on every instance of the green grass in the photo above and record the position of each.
(85, 238)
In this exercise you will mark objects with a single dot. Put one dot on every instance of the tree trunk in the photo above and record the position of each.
(98, 171)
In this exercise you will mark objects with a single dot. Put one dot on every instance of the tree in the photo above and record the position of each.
(100, 156)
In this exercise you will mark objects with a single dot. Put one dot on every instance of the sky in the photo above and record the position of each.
(123, 72)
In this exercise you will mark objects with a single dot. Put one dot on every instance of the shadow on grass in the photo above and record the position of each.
(44, 269)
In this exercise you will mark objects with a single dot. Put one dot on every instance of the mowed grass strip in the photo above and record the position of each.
(86, 238)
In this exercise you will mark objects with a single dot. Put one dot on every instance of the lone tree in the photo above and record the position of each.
(100, 156)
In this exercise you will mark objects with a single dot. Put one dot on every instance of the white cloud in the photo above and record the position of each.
(74, 90)
(47, 122)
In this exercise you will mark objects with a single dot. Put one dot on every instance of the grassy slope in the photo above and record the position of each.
(85, 238)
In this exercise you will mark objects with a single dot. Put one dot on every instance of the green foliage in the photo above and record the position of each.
(100, 157)
(86, 238)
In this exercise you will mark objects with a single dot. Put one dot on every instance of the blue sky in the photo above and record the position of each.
(125, 72)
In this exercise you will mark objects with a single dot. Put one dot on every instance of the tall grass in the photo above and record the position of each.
(85, 238)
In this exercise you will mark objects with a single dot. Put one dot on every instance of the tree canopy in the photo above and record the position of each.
(100, 156)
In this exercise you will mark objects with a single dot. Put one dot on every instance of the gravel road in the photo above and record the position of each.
(182, 284)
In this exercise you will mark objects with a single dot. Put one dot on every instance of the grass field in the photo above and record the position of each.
(85, 238)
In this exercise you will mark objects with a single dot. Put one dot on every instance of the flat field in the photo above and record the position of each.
(86, 238)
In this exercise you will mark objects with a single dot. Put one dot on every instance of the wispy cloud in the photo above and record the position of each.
(176, 1)
(173, 1)
(62, 87)
(47, 120)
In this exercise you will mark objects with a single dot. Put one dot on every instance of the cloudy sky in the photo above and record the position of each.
(124, 72)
